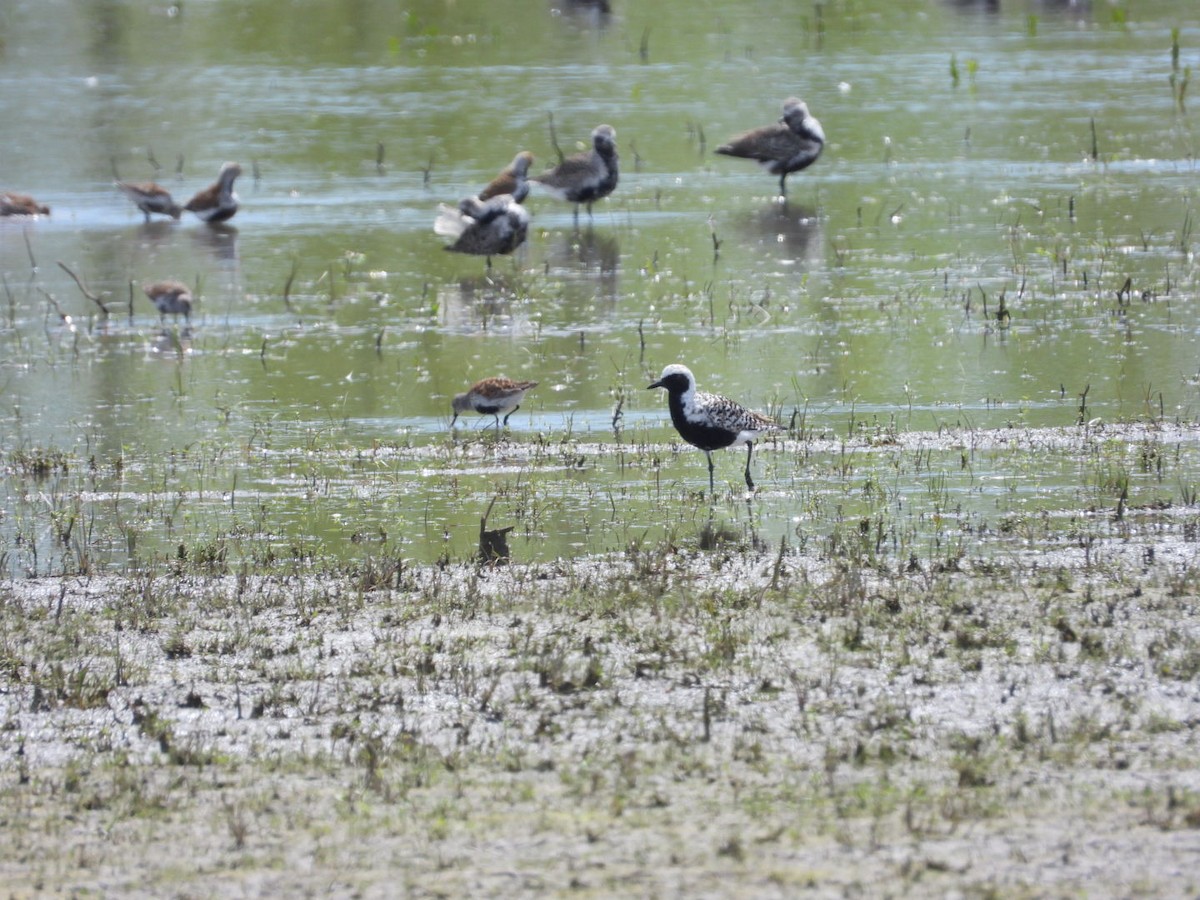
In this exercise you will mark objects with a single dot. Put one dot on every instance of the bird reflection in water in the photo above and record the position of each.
(219, 239)
(478, 303)
(171, 342)
(156, 231)
(587, 13)
(587, 249)
(796, 228)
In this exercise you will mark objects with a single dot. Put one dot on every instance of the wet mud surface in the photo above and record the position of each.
(673, 719)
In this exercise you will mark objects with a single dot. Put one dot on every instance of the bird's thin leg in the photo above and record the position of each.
(576, 216)
(510, 412)
(453, 419)
(749, 452)
(711, 487)
(783, 185)
(497, 416)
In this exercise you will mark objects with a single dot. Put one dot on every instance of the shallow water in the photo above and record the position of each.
(864, 309)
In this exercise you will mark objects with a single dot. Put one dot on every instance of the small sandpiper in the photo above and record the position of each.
(585, 177)
(710, 421)
(21, 205)
(791, 144)
(492, 397)
(172, 297)
(217, 202)
(485, 228)
(511, 179)
(151, 198)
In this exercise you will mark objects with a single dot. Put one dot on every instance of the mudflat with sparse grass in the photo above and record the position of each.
(674, 720)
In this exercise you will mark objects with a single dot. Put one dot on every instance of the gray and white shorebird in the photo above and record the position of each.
(710, 421)
(492, 397)
(790, 145)
(485, 227)
(585, 177)
(151, 198)
(511, 178)
(217, 202)
(12, 204)
(172, 297)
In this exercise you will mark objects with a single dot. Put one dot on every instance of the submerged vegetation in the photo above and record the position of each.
(892, 498)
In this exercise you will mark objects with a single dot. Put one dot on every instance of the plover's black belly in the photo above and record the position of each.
(780, 166)
(699, 434)
(585, 193)
(594, 190)
(224, 214)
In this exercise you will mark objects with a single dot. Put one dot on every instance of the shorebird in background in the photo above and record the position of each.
(217, 202)
(492, 397)
(511, 179)
(172, 297)
(485, 228)
(585, 177)
(21, 205)
(151, 198)
(791, 144)
(710, 421)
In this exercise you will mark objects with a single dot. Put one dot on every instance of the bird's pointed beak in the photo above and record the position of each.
(656, 384)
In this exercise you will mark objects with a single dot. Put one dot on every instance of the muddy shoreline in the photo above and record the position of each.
(665, 721)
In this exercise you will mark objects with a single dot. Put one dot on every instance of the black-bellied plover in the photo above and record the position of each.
(585, 177)
(487, 227)
(172, 297)
(791, 144)
(510, 180)
(217, 202)
(21, 205)
(151, 198)
(492, 397)
(710, 421)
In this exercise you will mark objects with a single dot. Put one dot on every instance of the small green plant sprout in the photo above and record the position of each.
(1179, 80)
